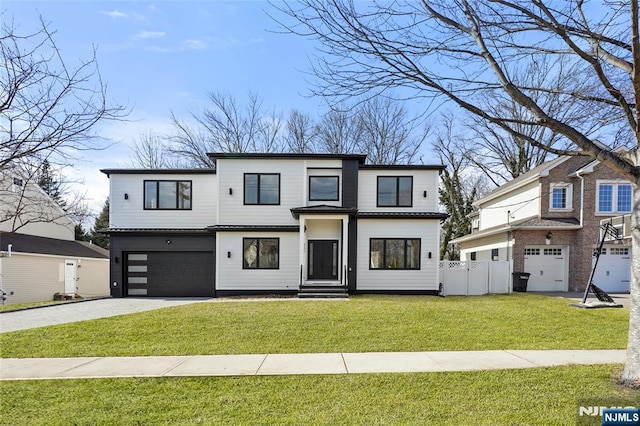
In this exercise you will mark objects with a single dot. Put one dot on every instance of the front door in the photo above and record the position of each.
(323, 260)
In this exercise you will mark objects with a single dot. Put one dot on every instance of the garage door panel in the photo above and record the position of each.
(171, 274)
(547, 268)
(613, 273)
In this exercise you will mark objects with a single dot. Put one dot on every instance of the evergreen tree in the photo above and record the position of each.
(49, 184)
(459, 204)
(102, 222)
(81, 234)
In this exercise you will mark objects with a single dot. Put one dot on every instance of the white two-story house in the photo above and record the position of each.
(547, 222)
(274, 223)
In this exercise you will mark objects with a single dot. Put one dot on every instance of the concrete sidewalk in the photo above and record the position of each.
(290, 364)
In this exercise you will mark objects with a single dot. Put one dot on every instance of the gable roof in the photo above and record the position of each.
(22, 243)
(531, 176)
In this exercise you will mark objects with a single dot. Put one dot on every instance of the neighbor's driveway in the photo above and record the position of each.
(86, 310)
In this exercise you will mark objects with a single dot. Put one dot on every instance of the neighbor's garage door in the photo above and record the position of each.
(170, 274)
(613, 273)
(547, 266)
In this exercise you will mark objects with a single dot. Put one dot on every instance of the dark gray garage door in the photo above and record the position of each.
(170, 274)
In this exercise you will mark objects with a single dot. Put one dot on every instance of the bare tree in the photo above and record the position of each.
(48, 109)
(154, 151)
(389, 136)
(462, 185)
(48, 113)
(468, 51)
(191, 143)
(379, 127)
(503, 156)
(340, 132)
(301, 133)
(227, 127)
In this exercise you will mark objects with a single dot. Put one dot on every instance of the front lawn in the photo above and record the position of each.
(361, 324)
(545, 396)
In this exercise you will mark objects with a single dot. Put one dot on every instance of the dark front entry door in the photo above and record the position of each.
(323, 260)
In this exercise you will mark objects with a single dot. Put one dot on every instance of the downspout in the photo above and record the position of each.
(581, 197)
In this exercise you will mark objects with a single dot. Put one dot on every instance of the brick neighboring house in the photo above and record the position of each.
(547, 222)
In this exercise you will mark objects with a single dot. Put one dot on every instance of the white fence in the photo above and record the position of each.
(475, 277)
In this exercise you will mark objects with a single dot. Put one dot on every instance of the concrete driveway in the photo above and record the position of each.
(86, 310)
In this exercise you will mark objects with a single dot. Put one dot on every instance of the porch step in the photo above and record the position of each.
(319, 291)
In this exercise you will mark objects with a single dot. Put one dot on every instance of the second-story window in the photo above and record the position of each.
(614, 197)
(395, 191)
(560, 196)
(323, 188)
(262, 188)
(167, 195)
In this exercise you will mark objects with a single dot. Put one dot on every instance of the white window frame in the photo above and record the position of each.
(614, 196)
(568, 194)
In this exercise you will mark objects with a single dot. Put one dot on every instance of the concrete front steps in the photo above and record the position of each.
(323, 290)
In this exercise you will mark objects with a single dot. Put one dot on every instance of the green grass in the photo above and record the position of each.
(18, 306)
(361, 324)
(545, 396)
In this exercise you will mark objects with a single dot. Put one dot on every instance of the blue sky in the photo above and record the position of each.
(167, 55)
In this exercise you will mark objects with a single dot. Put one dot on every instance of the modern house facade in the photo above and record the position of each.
(39, 256)
(547, 222)
(274, 223)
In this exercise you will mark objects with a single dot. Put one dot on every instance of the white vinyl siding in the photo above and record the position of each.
(30, 277)
(426, 278)
(520, 204)
(231, 276)
(232, 209)
(423, 180)
(130, 212)
(38, 214)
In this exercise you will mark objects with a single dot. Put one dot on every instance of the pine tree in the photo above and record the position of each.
(81, 234)
(102, 222)
(49, 184)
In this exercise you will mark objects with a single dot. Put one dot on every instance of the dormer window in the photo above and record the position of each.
(560, 196)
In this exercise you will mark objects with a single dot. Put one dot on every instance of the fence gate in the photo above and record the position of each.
(467, 278)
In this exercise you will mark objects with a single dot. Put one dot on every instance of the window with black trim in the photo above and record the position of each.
(394, 253)
(395, 191)
(261, 253)
(324, 188)
(495, 253)
(167, 195)
(262, 188)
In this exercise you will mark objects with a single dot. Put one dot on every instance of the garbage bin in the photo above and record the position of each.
(520, 281)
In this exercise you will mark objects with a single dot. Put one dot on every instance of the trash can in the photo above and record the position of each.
(520, 281)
